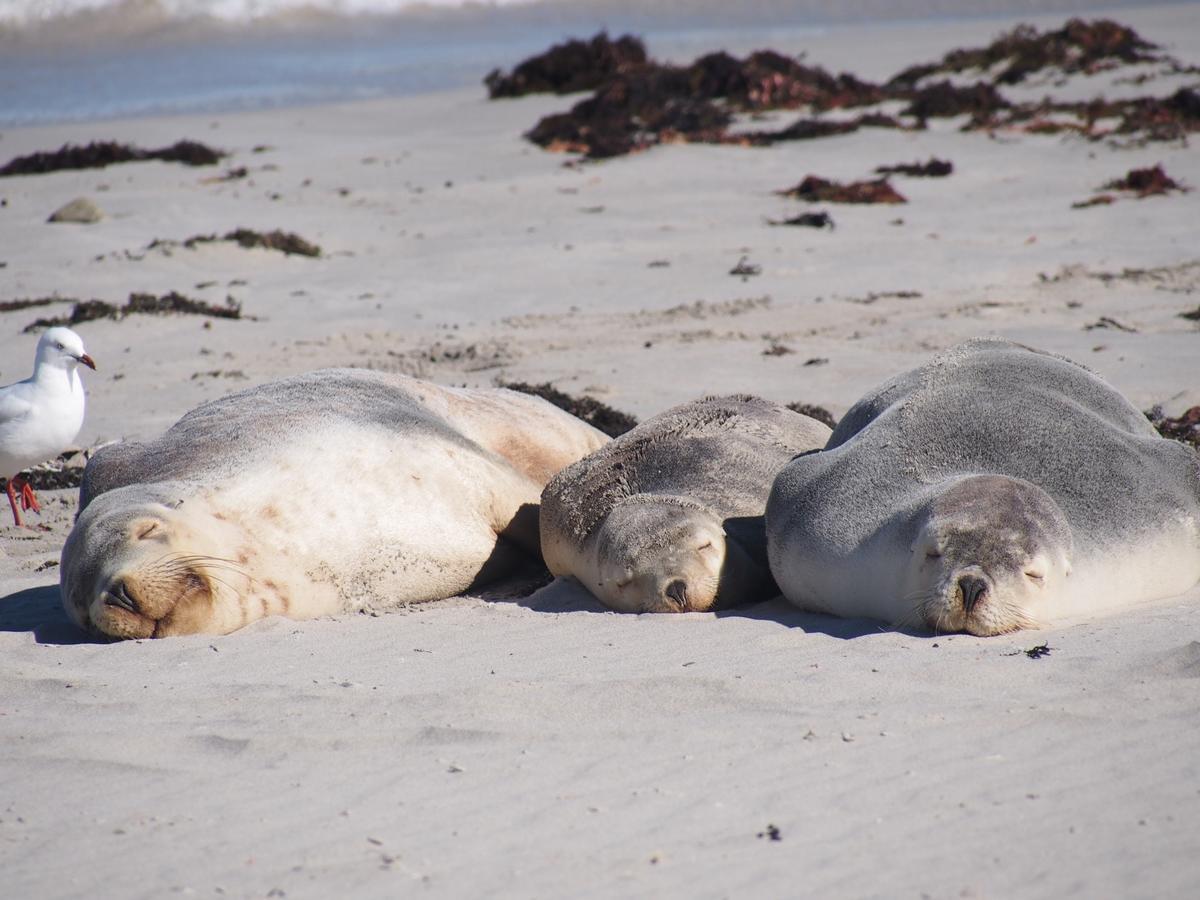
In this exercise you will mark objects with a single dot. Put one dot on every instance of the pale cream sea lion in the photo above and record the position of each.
(669, 516)
(329, 492)
(995, 488)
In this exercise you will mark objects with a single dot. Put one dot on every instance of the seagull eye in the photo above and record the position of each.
(59, 347)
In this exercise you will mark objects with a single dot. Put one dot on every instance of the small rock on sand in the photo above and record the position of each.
(80, 210)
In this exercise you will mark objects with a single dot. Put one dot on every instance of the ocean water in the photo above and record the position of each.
(80, 60)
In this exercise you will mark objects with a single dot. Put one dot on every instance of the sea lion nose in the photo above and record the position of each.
(973, 590)
(118, 595)
(677, 592)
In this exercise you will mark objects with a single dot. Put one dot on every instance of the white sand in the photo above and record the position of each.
(546, 748)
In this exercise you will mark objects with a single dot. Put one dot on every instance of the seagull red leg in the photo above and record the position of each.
(12, 501)
(29, 498)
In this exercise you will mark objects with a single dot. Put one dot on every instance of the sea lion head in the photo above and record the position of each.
(146, 561)
(990, 552)
(665, 554)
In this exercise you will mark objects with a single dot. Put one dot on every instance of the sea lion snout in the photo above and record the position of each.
(972, 589)
(118, 594)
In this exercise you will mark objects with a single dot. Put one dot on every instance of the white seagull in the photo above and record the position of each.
(40, 416)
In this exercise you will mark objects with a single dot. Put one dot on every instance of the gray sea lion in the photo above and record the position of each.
(668, 517)
(334, 491)
(995, 488)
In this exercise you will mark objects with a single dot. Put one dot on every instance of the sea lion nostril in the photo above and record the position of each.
(118, 595)
(677, 591)
(973, 589)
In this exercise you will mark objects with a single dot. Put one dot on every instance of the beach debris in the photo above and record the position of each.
(632, 112)
(643, 104)
(80, 211)
(1098, 200)
(1140, 182)
(819, 219)
(1109, 322)
(817, 361)
(821, 190)
(1077, 47)
(285, 242)
(64, 471)
(873, 296)
(771, 832)
(820, 413)
(1037, 652)
(571, 66)
(99, 154)
(746, 269)
(1184, 428)
(638, 102)
(944, 100)
(140, 303)
(14, 305)
(1191, 315)
(599, 415)
(1145, 182)
(934, 168)
(235, 174)
(777, 349)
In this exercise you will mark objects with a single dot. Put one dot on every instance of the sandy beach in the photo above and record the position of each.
(535, 745)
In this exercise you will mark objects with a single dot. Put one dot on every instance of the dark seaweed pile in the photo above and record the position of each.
(935, 168)
(1184, 428)
(569, 67)
(149, 304)
(283, 241)
(99, 154)
(1145, 182)
(1078, 46)
(638, 102)
(822, 190)
(820, 413)
(599, 415)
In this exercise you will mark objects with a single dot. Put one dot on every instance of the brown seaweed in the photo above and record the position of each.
(1078, 46)
(571, 66)
(935, 168)
(1184, 427)
(821, 190)
(99, 154)
(599, 415)
(139, 303)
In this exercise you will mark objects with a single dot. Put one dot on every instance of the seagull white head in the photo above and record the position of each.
(62, 348)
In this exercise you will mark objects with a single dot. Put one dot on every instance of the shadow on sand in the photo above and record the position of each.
(567, 595)
(39, 611)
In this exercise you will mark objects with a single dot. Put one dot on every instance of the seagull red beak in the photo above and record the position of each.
(88, 361)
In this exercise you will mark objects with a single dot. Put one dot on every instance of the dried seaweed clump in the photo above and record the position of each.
(935, 168)
(568, 67)
(1145, 182)
(822, 190)
(652, 103)
(599, 415)
(943, 100)
(820, 413)
(283, 241)
(1078, 46)
(99, 154)
(1184, 428)
(173, 302)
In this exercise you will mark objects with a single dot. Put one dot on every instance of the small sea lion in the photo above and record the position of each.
(995, 488)
(334, 491)
(668, 517)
